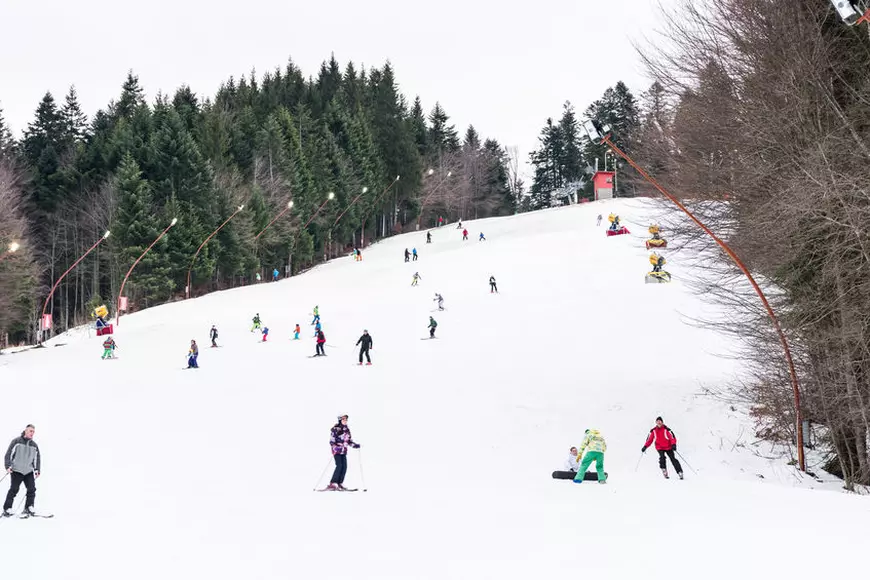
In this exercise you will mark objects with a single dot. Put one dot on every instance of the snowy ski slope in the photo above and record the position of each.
(155, 472)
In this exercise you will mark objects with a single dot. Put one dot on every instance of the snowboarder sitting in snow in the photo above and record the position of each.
(192, 355)
(440, 300)
(339, 440)
(321, 340)
(109, 347)
(571, 463)
(365, 344)
(416, 279)
(597, 446)
(432, 326)
(666, 444)
(213, 334)
(257, 323)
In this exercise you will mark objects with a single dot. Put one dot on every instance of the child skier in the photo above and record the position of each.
(432, 326)
(365, 344)
(339, 440)
(192, 354)
(321, 340)
(213, 334)
(597, 446)
(416, 279)
(464, 235)
(666, 444)
(109, 347)
(316, 314)
(440, 300)
(492, 285)
(257, 323)
(265, 333)
(317, 328)
(296, 332)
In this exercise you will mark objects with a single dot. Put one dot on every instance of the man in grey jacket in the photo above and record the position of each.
(23, 462)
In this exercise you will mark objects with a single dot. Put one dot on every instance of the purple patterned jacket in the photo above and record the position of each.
(339, 439)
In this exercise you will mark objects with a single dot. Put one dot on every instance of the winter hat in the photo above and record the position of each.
(340, 417)
(660, 419)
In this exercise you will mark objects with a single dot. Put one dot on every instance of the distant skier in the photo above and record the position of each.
(571, 463)
(440, 300)
(440, 221)
(492, 285)
(598, 222)
(358, 255)
(257, 324)
(666, 444)
(481, 238)
(597, 446)
(296, 332)
(464, 235)
(258, 277)
(432, 326)
(265, 333)
(339, 440)
(321, 341)
(109, 347)
(317, 328)
(429, 237)
(192, 355)
(316, 314)
(213, 334)
(275, 275)
(415, 279)
(407, 255)
(365, 344)
(414, 254)
(459, 225)
(24, 463)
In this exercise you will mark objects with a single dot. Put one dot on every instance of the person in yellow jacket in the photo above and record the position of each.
(596, 446)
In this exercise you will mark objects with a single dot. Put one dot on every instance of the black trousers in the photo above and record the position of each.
(340, 469)
(674, 461)
(29, 482)
(364, 351)
(320, 348)
(415, 258)
(431, 332)
(493, 287)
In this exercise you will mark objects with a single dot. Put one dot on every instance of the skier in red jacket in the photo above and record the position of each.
(666, 444)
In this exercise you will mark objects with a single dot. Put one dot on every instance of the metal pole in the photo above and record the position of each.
(782, 338)
(76, 263)
(282, 212)
(121, 292)
(199, 249)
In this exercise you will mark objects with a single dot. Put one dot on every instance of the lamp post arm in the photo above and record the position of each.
(202, 245)
(130, 271)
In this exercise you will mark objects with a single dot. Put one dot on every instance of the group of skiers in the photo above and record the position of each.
(593, 447)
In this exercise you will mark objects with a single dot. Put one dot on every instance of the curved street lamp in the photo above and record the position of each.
(199, 249)
(362, 235)
(62, 276)
(604, 136)
(282, 212)
(431, 193)
(121, 291)
(11, 249)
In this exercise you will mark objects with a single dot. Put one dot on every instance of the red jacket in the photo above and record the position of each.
(664, 438)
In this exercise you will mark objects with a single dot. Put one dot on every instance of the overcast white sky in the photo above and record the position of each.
(502, 66)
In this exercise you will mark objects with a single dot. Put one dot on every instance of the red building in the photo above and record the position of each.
(602, 183)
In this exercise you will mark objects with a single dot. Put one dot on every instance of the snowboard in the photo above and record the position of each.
(589, 476)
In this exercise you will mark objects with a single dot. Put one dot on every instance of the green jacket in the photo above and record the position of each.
(594, 441)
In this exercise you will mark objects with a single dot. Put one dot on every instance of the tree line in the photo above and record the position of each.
(259, 142)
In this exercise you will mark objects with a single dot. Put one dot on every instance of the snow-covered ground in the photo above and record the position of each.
(158, 472)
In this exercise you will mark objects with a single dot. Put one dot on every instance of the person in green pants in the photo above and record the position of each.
(596, 448)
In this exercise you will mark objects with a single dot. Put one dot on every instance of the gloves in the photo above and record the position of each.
(643, 449)
(356, 445)
(674, 447)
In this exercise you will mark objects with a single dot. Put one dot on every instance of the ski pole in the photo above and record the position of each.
(361, 475)
(638, 461)
(322, 473)
(5, 475)
(686, 462)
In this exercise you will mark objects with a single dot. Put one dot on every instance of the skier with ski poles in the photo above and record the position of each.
(666, 444)
(257, 323)
(440, 300)
(366, 344)
(597, 446)
(432, 326)
(109, 347)
(213, 334)
(316, 315)
(321, 340)
(429, 237)
(407, 255)
(192, 355)
(416, 279)
(414, 255)
(492, 285)
(24, 463)
(339, 440)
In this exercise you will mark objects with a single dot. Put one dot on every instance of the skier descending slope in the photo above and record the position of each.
(257, 324)
(192, 355)
(213, 334)
(666, 444)
(492, 285)
(321, 340)
(24, 462)
(109, 347)
(365, 344)
(432, 326)
(316, 315)
(440, 300)
(597, 446)
(265, 333)
(339, 439)
(416, 278)
(296, 332)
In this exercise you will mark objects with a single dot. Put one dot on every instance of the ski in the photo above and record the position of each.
(336, 490)
(25, 516)
(429, 338)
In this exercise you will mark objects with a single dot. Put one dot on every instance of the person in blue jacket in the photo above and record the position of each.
(414, 254)
(275, 275)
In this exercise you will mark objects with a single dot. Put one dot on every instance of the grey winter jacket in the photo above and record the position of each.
(23, 456)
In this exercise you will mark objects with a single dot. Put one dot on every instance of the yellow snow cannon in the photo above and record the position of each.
(657, 241)
(657, 275)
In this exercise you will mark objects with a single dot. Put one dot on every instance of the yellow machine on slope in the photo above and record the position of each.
(657, 275)
(657, 241)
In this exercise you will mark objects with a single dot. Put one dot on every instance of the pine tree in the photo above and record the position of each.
(45, 141)
(75, 120)
(419, 129)
(132, 97)
(7, 142)
(442, 136)
(546, 160)
(570, 161)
